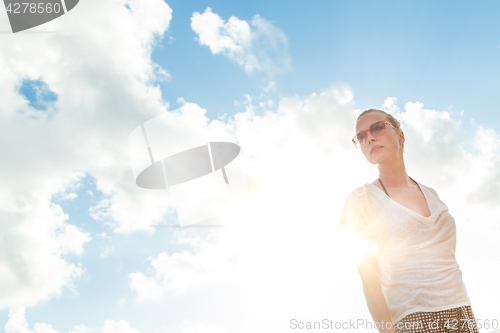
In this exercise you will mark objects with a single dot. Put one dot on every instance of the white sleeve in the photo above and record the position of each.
(354, 215)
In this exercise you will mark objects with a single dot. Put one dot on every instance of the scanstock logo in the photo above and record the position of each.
(26, 14)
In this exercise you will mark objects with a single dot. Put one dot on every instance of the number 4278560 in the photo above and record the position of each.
(28, 7)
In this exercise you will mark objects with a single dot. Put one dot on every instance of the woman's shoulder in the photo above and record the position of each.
(361, 194)
(358, 191)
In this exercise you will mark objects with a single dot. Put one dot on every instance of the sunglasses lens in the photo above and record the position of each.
(360, 139)
(378, 128)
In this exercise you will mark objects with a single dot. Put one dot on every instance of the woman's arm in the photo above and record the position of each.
(369, 273)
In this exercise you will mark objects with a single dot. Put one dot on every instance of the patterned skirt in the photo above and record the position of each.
(456, 320)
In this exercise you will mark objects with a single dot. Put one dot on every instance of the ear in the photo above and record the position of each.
(401, 138)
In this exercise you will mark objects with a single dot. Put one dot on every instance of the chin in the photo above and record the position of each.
(371, 159)
(375, 160)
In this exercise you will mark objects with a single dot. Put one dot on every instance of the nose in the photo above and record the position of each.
(369, 136)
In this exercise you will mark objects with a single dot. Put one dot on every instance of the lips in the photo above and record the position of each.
(375, 147)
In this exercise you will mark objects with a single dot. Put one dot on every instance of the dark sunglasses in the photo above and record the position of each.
(376, 129)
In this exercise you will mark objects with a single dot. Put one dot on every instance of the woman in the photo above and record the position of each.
(411, 280)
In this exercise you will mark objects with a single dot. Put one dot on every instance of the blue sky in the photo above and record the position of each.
(443, 54)
(285, 81)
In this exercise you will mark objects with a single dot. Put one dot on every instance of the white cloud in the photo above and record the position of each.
(36, 237)
(285, 257)
(258, 45)
(146, 288)
(106, 251)
(81, 329)
(69, 196)
(122, 326)
(183, 271)
(189, 327)
(485, 168)
(288, 256)
(487, 141)
(98, 63)
(17, 323)
(390, 105)
(271, 86)
(266, 253)
(423, 120)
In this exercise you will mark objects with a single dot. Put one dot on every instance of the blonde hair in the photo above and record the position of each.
(390, 118)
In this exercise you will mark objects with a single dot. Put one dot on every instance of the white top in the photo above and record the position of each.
(415, 254)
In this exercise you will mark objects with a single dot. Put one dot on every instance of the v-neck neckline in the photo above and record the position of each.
(428, 220)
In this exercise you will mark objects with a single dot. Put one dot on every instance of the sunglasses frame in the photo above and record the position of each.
(369, 129)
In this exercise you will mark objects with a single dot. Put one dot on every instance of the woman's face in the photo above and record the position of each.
(390, 142)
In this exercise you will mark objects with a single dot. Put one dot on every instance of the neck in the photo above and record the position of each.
(394, 174)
